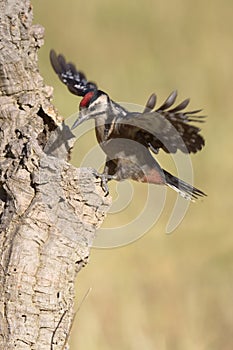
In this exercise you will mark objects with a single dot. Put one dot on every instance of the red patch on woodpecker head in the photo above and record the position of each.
(86, 99)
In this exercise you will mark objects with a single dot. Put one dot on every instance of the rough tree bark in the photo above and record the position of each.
(49, 210)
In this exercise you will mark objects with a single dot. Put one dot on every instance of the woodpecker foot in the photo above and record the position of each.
(104, 181)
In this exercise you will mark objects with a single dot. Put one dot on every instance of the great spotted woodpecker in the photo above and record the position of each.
(128, 137)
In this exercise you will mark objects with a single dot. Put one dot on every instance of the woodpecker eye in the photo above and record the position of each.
(86, 100)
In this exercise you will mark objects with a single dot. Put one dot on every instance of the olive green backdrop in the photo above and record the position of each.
(162, 292)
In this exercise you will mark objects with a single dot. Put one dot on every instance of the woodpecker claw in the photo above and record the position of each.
(103, 181)
(104, 184)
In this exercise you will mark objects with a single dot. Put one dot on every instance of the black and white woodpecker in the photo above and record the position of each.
(129, 138)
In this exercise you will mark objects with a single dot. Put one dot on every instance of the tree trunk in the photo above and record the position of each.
(49, 210)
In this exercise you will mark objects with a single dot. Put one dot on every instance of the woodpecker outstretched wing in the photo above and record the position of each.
(166, 128)
(75, 80)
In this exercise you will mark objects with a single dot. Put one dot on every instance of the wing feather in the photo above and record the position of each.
(75, 80)
(164, 128)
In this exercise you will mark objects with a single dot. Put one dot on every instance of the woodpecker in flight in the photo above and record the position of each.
(129, 138)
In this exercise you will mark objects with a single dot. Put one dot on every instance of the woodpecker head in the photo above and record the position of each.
(93, 105)
(93, 100)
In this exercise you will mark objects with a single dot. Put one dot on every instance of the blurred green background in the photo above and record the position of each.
(162, 292)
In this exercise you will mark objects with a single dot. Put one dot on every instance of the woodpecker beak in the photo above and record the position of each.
(82, 118)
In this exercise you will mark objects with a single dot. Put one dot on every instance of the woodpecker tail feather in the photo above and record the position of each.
(183, 188)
